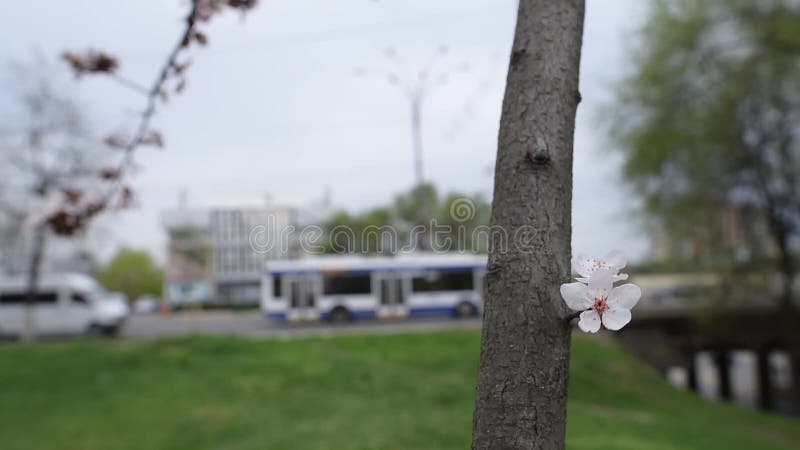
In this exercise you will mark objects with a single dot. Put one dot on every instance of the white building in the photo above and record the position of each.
(242, 240)
(236, 237)
(188, 275)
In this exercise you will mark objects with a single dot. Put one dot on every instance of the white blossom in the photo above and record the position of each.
(601, 302)
(585, 266)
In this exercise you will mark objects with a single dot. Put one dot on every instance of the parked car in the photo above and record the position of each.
(146, 304)
(65, 304)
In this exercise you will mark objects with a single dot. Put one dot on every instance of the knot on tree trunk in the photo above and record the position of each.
(537, 152)
(537, 156)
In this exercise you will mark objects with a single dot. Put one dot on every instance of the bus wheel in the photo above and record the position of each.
(466, 309)
(340, 314)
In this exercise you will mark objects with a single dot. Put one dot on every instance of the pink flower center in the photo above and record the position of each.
(600, 305)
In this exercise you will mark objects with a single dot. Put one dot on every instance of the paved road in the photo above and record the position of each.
(253, 324)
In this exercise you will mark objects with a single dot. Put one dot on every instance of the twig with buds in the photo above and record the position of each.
(71, 218)
(572, 316)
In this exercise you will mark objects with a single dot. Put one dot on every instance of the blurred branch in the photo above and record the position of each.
(157, 91)
(98, 62)
(129, 84)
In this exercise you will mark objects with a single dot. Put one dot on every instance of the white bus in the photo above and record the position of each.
(342, 288)
(65, 304)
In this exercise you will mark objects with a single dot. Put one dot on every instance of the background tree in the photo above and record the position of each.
(49, 155)
(466, 216)
(361, 233)
(47, 158)
(132, 272)
(417, 219)
(417, 208)
(521, 397)
(707, 123)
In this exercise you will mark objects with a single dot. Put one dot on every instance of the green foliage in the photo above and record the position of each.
(419, 205)
(418, 217)
(466, 215)
(348, 392)
(132, 272)
(707, 125)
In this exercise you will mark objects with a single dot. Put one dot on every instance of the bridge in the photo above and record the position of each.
(682, 316)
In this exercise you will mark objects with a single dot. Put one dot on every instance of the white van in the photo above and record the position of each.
(65, 304)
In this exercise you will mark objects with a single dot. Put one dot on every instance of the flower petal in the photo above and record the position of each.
(620, 277)
(600, 283)
(576, 295)
(615, 260)
(616, 318)
(583, 265)
(625, 296)
(589, 321)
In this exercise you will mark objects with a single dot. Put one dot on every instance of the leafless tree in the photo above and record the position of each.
(521, 398)
(48, 157)
(51, 180)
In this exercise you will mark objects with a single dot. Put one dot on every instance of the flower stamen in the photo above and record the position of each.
(600, 305)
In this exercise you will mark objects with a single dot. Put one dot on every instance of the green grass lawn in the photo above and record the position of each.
(354, 392)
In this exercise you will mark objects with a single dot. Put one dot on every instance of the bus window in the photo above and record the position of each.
(461, 280)
(301, 293)
(276, 286)
(294, 293)
(346, 284)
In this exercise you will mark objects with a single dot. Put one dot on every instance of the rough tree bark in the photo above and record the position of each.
(521, 397)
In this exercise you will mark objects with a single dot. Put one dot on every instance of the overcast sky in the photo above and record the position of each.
(274, 105)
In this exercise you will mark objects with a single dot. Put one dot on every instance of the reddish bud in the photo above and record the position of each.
(181, 86)
(153, 138)
(72, 196)
(115, 140)
(180, 68)
(200, 38)
(109, 173)
(90, 61)
(125, 197)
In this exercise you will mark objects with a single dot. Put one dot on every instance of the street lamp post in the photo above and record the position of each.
(416, 136)
(415, 89)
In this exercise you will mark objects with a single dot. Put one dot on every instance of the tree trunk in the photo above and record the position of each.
(521, 397)
(32, 284)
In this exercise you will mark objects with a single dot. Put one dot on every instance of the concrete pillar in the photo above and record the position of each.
(722, 362)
